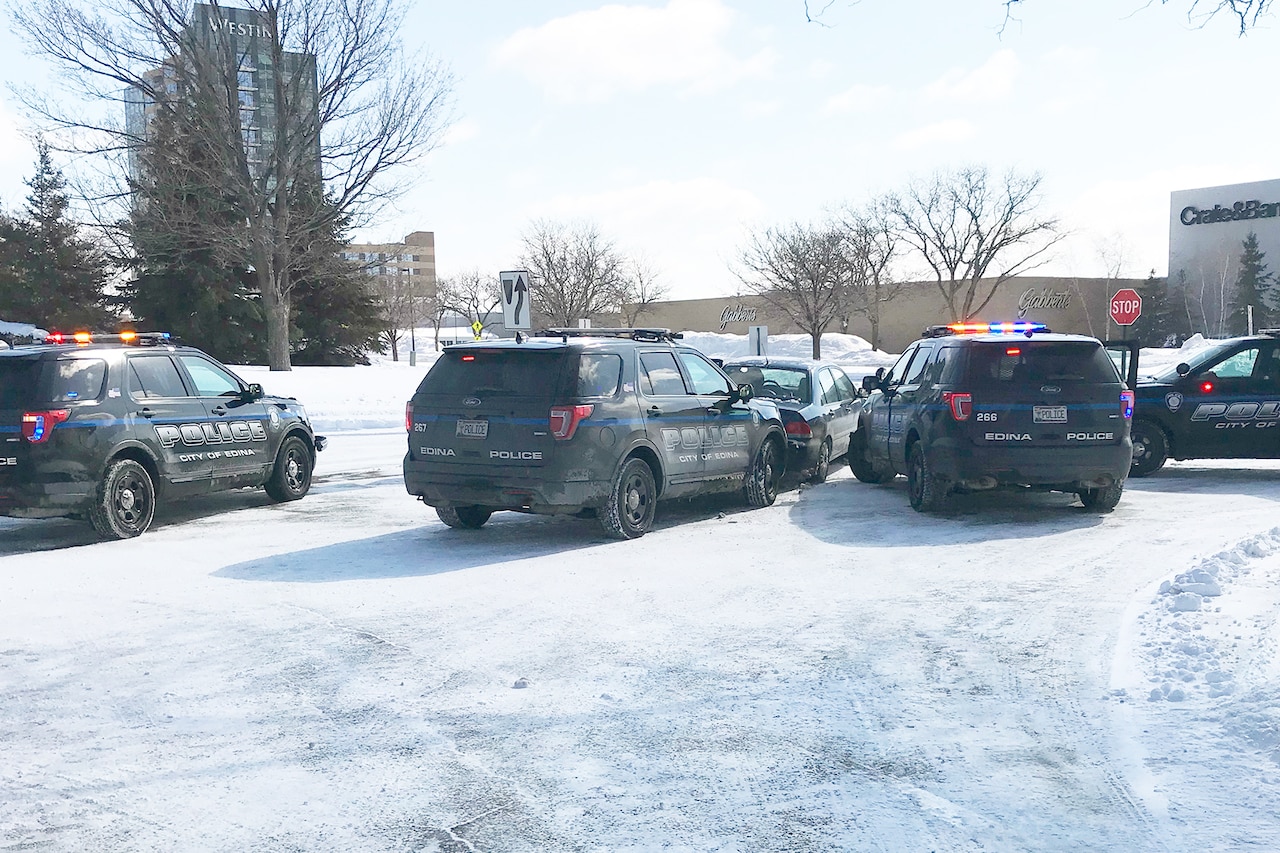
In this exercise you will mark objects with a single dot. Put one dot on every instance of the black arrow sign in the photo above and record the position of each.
(521, 288)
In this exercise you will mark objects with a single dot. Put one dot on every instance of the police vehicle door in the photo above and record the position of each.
(236, 427)
(905, 403)
(168, 419)
(674, 417)
(1232, 407)
(726, 445)
(879, 405)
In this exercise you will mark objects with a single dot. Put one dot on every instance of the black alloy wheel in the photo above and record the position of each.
(632, 501)
(464, 517)
(291, 478)
(924, 490)
(126, 501)
(823, 467)
(762, 479)
(1150, 448)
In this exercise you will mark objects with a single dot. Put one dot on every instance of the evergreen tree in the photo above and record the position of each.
(1253, 288)
(1163, 321)
(49, 275)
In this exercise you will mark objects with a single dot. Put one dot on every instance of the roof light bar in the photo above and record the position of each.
(1020, 327)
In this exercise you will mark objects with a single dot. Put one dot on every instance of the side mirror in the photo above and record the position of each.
(1183, 369)
(253, 392)
(870, 383)
(745, 392)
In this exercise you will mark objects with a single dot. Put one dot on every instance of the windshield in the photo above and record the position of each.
(778, 383)
(1197, 360)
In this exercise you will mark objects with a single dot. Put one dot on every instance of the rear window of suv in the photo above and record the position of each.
(28, 381)
(18, 382)
(508, 372)
(1034, 363)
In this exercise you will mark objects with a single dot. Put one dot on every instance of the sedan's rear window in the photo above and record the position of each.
(1022, 362)
(18, 382)
(477, 372)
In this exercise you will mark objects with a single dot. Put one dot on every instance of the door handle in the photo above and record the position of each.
(712, 410)
(146, 413)
(655, 411)
(219, 411)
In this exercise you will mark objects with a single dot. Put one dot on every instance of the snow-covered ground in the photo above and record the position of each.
(832, 672)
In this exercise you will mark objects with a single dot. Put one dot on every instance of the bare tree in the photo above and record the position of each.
(870, 249)
(974, 233)
(799, 270)
(640, 290)
(1199, 12)
(397, 296)
(576, 271)
(472, 294)
(349, 111)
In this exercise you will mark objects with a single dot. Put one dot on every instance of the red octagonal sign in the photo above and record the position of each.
(1126, 306)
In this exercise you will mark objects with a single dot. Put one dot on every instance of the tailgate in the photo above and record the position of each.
(18, 376)
(487, 411)
(1044, 393)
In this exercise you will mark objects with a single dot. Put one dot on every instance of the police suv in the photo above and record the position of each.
(106, 426)
(975, 406)
(1223, 402)
(601, 422)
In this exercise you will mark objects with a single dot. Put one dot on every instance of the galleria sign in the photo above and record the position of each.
(1030, 300)
(1251, 209)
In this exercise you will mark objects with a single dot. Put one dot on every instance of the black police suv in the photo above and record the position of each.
(107, 426)
(977, 406)
(585, 421)
(1223, 402)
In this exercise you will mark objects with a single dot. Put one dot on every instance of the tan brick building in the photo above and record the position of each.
(407, 265)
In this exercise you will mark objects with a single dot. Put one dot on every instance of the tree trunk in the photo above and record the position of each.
(817, 344)
(277, 309)
(875, 331)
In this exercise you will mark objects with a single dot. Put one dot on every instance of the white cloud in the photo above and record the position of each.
(859, 98)
(460, 132)
(955, 130)
(591, 56)
(689, 230)
(17, 158)
(991, 81)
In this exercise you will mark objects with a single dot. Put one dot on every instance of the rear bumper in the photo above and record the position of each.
(439, 487)
(48, 500)
(1067, 467)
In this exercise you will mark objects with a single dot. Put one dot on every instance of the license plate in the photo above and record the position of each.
(1050, 414)
(473, 429)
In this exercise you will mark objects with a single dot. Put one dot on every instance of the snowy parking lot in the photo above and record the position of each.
(832, 672)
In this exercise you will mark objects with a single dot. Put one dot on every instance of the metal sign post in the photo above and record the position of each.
(757, 340)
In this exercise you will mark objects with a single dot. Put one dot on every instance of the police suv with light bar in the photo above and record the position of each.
(601, 422)
(105, 426)
(975, 406)
(1223, 402)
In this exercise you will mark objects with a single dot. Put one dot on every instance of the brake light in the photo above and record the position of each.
(468, 358)
(565, 420)
(36, 426)
(1126, 404)
(1013, 351)
(408, 416)
(961, 404)
(800, 429)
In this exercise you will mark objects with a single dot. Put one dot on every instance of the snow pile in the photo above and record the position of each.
(22, 330)
(345, 398)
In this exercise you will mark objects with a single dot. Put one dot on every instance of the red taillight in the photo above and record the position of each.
(565, 420)
(408, 416)
(1013, 351)
(800, 429)
(1206, 387)
(961, 404)
(36, 426)
(1126, 404)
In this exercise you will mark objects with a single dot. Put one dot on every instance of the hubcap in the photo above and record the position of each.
(636, 501)
(127, 499)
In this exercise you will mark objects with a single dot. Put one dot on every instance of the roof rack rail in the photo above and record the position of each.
(600, 332)
(1272, 333)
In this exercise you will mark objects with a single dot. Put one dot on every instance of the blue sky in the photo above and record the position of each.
(676, 126)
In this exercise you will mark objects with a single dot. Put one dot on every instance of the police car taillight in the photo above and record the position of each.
(565, 420)
(37, 426)
(961, 404)
(408, 416)
(1126, 404)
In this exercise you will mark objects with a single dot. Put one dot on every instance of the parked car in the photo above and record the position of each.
(818, 403)
(107, 427)
(602, 422)
(978, 406)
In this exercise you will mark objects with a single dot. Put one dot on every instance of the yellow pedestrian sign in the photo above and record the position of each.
(477, 327)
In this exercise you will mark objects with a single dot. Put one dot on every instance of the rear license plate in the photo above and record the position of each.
(1050, 414)
(473, 429)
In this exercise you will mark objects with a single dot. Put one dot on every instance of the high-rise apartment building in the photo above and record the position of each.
(405, 267)
(270, 94)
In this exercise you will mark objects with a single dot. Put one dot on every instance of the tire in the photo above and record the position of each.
(860, 465)
(762, 479)
(464, 517)
(823, 468)
(632, 501)
(291, 478)
(1102, 500)
(1150, 448)
(126, 501)
(924, 490)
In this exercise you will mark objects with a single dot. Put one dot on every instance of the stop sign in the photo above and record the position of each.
(1126, 306)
